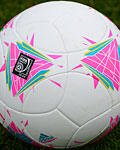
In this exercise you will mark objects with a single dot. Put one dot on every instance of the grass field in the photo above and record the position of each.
(110, 8)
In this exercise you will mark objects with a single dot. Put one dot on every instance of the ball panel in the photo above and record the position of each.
(43, 12)
(81, 101)
(11, 101)
(89, 131)
(74, 28)
(46, 36)
(53, 124)
(46, 95)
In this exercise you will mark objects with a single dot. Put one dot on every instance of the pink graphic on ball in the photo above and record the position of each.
(25, 66)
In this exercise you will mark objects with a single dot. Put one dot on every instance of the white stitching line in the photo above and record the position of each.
(17, 34)
(53, 76)
(107, 111)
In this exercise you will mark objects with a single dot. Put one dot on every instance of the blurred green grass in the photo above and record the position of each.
(10, 8)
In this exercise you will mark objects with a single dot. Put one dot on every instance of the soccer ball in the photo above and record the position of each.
(60, 75)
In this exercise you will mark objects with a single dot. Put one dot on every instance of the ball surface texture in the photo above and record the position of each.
(60, 75)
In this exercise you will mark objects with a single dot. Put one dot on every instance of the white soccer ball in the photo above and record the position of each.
(60, 75)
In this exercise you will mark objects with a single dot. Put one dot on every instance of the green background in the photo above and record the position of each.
(9, 9)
